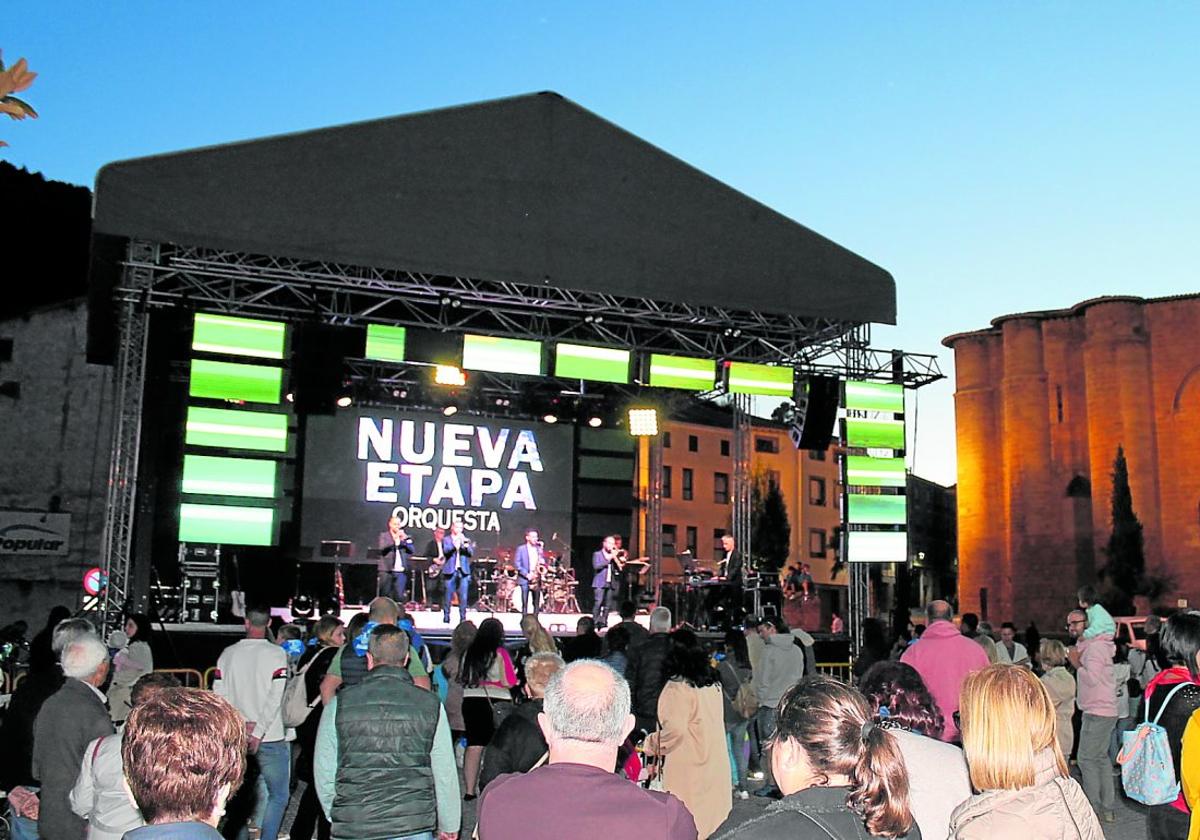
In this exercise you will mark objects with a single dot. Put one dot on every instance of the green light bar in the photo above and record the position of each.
(231, 429)
(682, 372)
(864, 471)
(207, 475)
(230, 381)
(238, 336)
(876, 546)
(875, 434)
(226, 524)
(597, 364)
(502, 355)
(765, 380)
(874, 396)
(877, 510)
(385, 343)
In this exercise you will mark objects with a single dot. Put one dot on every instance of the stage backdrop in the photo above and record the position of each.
(498, 476)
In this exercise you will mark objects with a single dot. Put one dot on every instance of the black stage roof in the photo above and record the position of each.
(532, 189)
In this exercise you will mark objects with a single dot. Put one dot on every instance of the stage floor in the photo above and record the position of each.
(430, 625)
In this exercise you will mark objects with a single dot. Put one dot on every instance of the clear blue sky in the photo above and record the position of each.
(995, 157)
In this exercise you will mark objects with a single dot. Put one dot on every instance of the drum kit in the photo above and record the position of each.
(551, 588)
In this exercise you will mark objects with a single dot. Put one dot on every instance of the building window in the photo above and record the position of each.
(766, 444)
(816, 542)
(666, 487)
(721, 488)
(773, 479)
(666, 440)
(816, 492)
(693, 443)
(690, 531)
(725, 448)
(687, 484)
(668, 540)
(816, 454)
(1058, 401)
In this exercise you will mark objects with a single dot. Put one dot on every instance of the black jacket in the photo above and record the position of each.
(517, 744)
(16, 735)
(646, 675)
(818, 813)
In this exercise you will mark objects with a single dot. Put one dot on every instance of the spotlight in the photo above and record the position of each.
(399, 393)
(302, 606)
(345, 401)
(595, 422)
(444, 300)
(450, 410)
(290, 397)
(599, 319)
(550, 418)
(454, 304)
(449, 375)
(643, 422)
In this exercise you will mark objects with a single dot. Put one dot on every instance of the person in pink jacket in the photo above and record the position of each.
(943, 657)
(1096, 697)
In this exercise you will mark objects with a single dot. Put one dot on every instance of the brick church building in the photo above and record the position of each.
(1042, 401)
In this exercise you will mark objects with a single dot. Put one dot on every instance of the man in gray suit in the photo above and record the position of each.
(71, 719)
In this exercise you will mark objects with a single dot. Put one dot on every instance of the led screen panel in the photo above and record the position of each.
(764, 380)
(238, 336)
(874, 434)
(875, 396)
(230, 429)
(864, 471)
(502, 355)
(215, 476)
(876, 546)
(877, 510)
(226, 524)
(595, 364)
(385, 343)
(682, 372)
(231, 381)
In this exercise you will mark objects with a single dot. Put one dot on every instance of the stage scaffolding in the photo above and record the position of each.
(160, 276)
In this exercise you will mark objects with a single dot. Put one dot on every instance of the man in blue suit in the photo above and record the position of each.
(456, 571)
(528, 560)
(602, 579)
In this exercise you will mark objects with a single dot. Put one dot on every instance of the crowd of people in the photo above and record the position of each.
(956, 731)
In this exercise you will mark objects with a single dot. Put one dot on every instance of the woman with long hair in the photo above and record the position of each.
(1175, 692)
(691, 734)
(734, 669)
(1009, 737)
(487, 676)
(938, 779)
(460, 640)
(841, 774)
(132, 659)
(330, 635)
(1060, 685)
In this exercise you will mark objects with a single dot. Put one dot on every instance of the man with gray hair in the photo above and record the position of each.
(585, 719)
(646, 669)
(71, 719)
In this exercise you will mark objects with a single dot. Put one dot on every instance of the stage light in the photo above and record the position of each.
(595, 422)
(345, 401)
(399, 393)
(444, 300)
(450, 410)
(643, 422)
(449, 375)
(455, 304)
(290, 397)
(302, 606)
(550, 418)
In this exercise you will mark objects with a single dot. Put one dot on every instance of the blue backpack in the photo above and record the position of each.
(1147, 771)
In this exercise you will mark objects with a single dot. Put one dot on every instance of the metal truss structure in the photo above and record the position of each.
(743, 480)
(130, 380)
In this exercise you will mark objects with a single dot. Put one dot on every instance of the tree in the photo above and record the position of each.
(770, 532)
(14, 80)
(1125, 571)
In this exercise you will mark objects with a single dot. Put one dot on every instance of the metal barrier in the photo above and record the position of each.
(838, 670)
(208, 676)
(185, 676)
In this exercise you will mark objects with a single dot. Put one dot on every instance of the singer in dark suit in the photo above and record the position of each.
(731, 569)
(395, 547)
(528, 561)
(602, 579)
(456, 571)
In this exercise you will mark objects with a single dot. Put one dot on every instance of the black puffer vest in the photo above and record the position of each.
(385, 729)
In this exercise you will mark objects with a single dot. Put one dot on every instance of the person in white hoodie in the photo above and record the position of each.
(251, 675)
(100, 795)
(780, 666)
